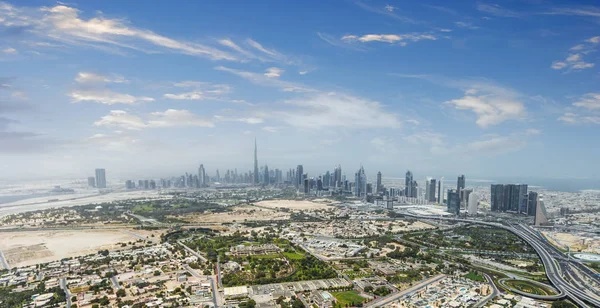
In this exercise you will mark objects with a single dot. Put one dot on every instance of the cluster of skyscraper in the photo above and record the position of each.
(99, 181)
(513, 198)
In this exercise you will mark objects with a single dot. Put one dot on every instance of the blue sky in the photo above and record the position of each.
(154, 88)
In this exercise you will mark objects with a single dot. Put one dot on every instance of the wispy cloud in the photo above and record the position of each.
(575, 61)
(169, 118)
(334, 41)
(93, 87)
(262, 80)
(497, 10)
(585, 11)
(466, 25)
(441, 9)
(198, 90)
(383, 10)
(336, 110)
(400, 39)
(106, 97)
(10, 51)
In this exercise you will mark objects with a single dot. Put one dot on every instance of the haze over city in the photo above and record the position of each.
(491, 90)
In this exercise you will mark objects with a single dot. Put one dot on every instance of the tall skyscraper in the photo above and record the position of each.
(441, 191)
(497, 198)
(100, 178)
(267, 176)
(218, 176)
(299, 174)
(255, 181)
(460, 185)
(201, 176)
(408, 184)
(360, 183)
(337, 177)
(532, 199)
(453, 202)
(522, 199)
(432, 187)
(379, 187)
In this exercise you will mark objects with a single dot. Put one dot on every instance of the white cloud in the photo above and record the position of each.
(575, 61)
(273, 72)
(390, 38)
(271, 129)
(175, 117)
(445, 30)
(466, 25)
(491, 109)
(390, 8)
(262, 80)
(259, 47)
(573, 118)
(194, 95)
(10, 51)
(334, 41)
(303, 72)
(121, 119)
(590, 101)
(336, 110)
(492, 103)
(169, 118)
(201, 91)
(87, 77)
(247, 120)
(63, 23)
(107, 97)
(497, 10)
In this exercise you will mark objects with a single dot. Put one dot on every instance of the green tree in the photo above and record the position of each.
(563, 304)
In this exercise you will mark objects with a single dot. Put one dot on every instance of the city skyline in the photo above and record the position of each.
(408, 86)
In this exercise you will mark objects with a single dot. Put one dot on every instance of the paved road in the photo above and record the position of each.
(3, 261)
(395, 296)
(494, 293)
(63, 285)
(193, 252)
(212, 282)
(115, 282)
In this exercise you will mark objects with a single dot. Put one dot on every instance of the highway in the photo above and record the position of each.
(551, 265)
(115, 282)
(382, 301)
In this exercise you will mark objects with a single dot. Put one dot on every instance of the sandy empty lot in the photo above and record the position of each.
(294, 204)
(27, 248)
(576, 242)
(239, 214)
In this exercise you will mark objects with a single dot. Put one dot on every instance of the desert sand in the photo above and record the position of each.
(32, 247)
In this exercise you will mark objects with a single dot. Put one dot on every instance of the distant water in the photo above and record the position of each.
(14, 198)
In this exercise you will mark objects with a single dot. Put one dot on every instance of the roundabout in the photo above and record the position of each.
(587, 257)
(531, 288)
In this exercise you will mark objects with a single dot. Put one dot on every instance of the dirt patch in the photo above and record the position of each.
(32, 247)
(294, 204)
(238, 214)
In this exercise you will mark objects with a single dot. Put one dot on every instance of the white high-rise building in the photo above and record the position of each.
(472, 206)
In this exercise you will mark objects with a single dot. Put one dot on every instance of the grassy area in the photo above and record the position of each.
(529, 287)
(271, 256)
(142, 208)
(293, 255)
(347, 298)
(475, 276)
